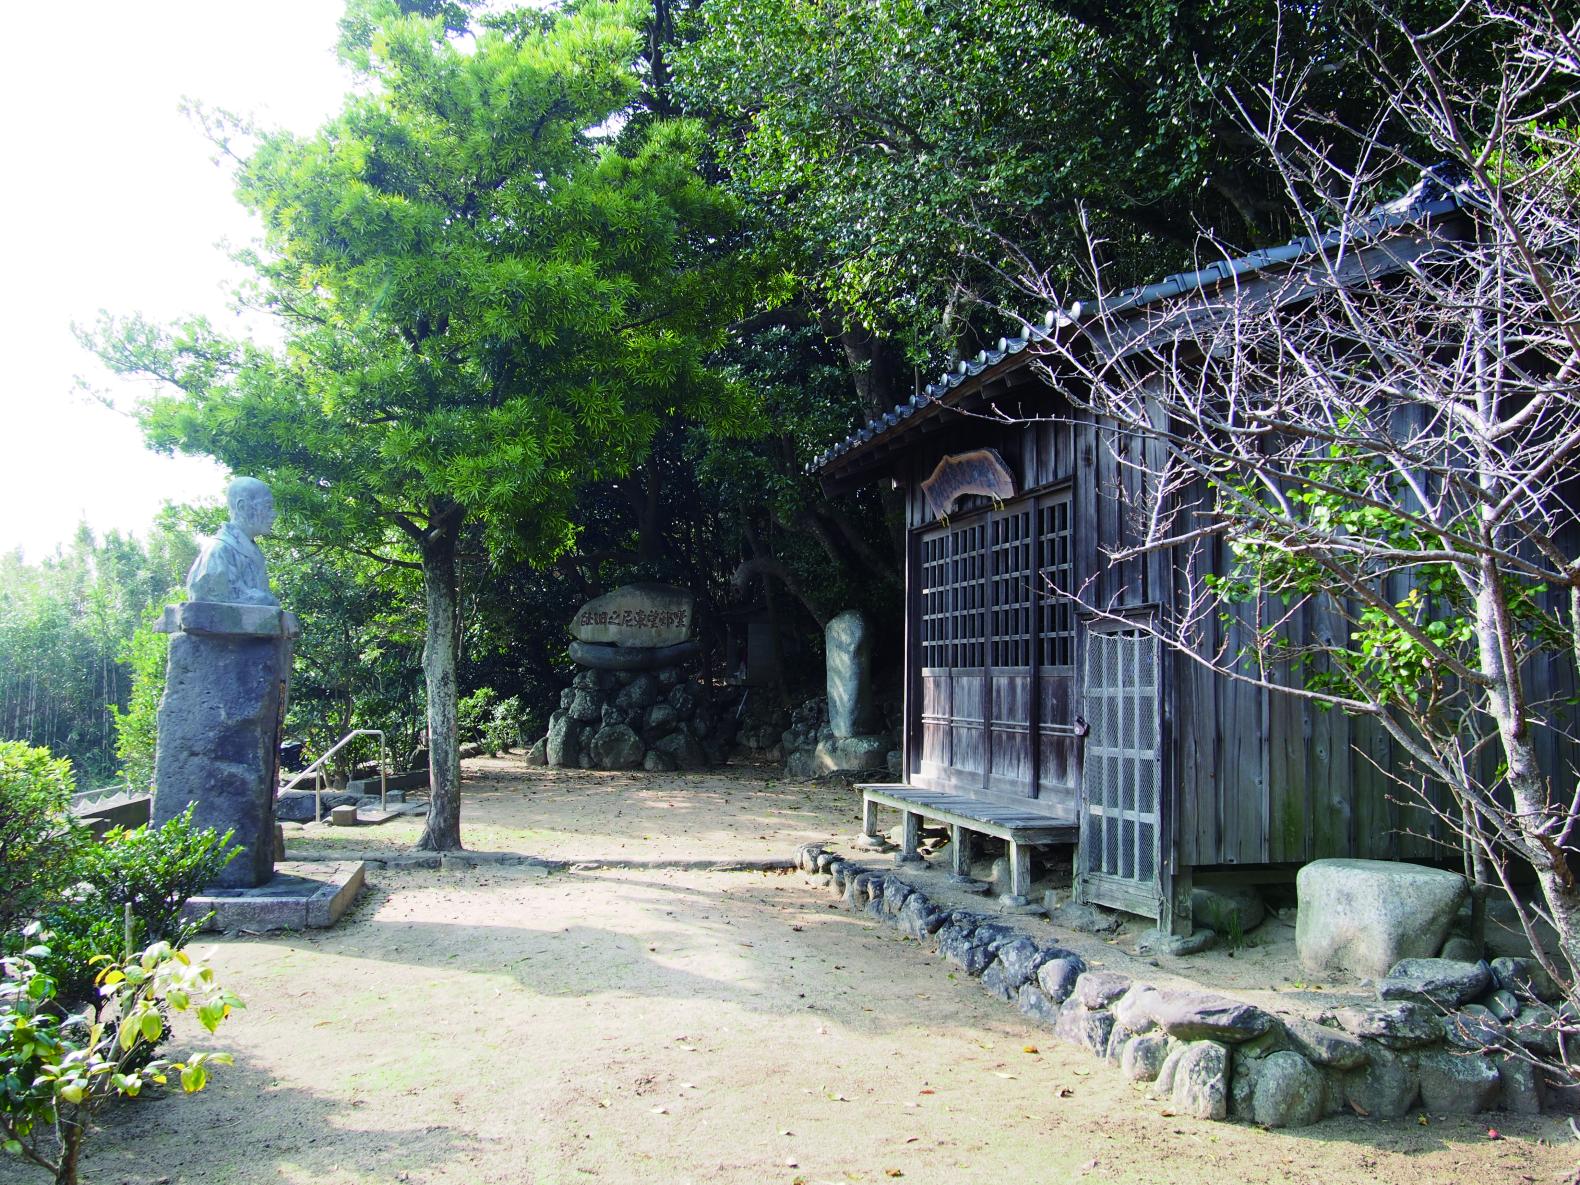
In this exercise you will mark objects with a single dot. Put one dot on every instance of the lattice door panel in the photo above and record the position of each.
(1122, 773)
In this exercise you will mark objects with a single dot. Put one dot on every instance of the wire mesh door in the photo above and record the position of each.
(1122, 773)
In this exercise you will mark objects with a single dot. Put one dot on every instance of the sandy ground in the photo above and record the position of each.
(656, 1025)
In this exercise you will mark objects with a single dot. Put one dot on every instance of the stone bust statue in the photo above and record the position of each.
(230, 567)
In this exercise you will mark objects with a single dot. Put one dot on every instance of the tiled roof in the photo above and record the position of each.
(1429, 198)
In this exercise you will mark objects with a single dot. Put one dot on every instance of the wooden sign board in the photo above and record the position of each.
(979, 472)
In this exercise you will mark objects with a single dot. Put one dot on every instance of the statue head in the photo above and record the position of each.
(251, 506)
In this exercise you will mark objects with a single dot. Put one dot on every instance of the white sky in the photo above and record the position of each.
(109, 199)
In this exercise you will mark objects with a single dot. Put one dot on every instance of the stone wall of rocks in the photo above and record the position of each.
(1424, 1044)
(811, 749)
(656, 720)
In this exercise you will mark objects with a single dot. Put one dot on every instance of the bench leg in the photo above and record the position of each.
(1019, 875)
(911, 834)
(960, 852)
(869, 837)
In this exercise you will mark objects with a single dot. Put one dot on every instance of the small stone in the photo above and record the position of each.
(1443, 983)
(1142, 1057)
(1036, 1003)
(1386, 1088)
(1098, 989)
(1200, 1086)
(1461, 950)
(919, 918)
(1058, 977)
(1526, 979)
(1133, 1010)
(962, 949)
(1519, 1085)
(1503, 1005)
(895, 892)
(1020, 957)
(658, 763)
(1087, 919)
(1473, 1027)
(1537, 1028)
(996, 981)
(1228, 909)
(1288, 1092)
(1194, 1016)
(539, 753)
(1087, 1027)
(1399, 1026)
(1457, 1083)
(616, 746)
(1324, 1046)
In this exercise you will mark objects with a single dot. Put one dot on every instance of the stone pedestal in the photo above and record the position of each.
(219, 726)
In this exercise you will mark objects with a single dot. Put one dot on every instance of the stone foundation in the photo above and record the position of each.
(1214, 1057)
(656, 720)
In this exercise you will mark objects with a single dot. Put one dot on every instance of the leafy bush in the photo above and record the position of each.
(57, 1071)
(39, 839)
(504, 728)
(473, 712)
(156, 869)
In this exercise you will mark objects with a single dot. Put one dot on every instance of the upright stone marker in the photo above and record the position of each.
(847, 645)
(225, 692)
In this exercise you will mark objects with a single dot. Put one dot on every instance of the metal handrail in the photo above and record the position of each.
(316, 771)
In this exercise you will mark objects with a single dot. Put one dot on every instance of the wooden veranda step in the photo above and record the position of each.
(1023, 823)
(1020, 824)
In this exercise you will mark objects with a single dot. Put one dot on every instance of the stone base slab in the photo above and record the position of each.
(311, 896)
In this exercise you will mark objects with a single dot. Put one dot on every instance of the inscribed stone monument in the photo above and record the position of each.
(225, 691)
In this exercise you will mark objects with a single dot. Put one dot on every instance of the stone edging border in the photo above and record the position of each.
(1210, 1056)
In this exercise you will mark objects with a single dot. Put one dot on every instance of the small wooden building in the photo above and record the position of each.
(1031, 721)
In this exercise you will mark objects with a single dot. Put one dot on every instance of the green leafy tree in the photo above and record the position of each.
(487, 302)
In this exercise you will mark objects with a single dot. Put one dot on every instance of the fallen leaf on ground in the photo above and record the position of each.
(1029, 1049)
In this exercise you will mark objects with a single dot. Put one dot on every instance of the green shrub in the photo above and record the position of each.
(156, 869)
(39, 839)
(504, 728)
(473, 712)
(57, 1071)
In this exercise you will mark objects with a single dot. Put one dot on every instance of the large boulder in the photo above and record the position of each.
(616, 746)
(1362, 917)
(1404, 1025)
(682, 748)
(851, 754)
(1324, 1046)
(564, 740)
(641, 692)
(1385, 1088)
(1196, 1077)
(1458, 1083)
(1288, 1092)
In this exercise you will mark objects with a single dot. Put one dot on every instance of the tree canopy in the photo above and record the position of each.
(489, 298)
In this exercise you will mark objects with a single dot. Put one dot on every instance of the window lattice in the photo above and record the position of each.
(935, 601)
(1012, 599)
(1056, 611)
(968, 593)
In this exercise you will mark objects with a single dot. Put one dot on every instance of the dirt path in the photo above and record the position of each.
(657, 1026)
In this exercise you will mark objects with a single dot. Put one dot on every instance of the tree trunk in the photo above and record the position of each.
(442, 833)
(70, 1131)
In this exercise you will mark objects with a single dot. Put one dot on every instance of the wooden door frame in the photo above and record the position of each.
(1171, 907)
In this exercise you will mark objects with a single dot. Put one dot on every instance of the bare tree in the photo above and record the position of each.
(1383, 422)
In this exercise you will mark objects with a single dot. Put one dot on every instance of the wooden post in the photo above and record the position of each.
(869, 837)
(910, 835)
(1019, 875)
(960, 852)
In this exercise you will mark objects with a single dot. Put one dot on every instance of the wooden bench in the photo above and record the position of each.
(1022, 824)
